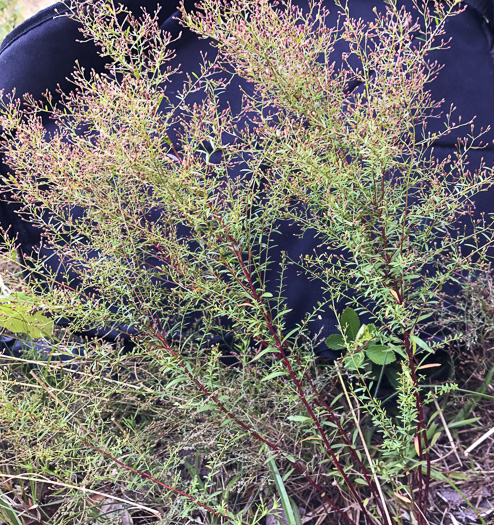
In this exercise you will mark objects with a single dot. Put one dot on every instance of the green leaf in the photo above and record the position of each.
(354, 361)
(176, 381)
(400, 351)
(8, 514)
(459, 475)
(368, 331)
(16, 317)
(465, 422)
(268, 350)
(421, 343)
(286, 502)
(392, 373)
(296, 513)
(361, 481)
(335, 342)
(350, 323)
(434, 439)
(411, 277)
(299, 418)
(380, 354)
(272, 375)
(39, 325)
(436, 474)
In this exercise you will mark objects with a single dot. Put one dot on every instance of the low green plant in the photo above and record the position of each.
(354, 168)
(20, 312)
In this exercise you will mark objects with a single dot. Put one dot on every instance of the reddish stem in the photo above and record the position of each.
(423, 488)
(302, 395)
(157, 481)
(272, 446)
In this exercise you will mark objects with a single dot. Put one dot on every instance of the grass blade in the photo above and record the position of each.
(8, 514)
(292, 515)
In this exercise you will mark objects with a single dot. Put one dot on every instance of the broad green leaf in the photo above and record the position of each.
(15, 317)
(335, 342)
(39, 325)
(392, 373)
(367, 332)
(370, 329)
(380, 354)
(350, 323)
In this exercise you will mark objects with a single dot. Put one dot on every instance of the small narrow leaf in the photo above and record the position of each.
(8, 514)
(296, 513)
(395, 295)
(416, 444)
(400, 351)
(434, 439)
(429, 365)
(421, 343)
(262, 353)
(465, 422)
(299, 418)
(272, 375)
(402, 498)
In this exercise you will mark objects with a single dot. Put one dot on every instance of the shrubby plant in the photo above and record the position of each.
(334, 143)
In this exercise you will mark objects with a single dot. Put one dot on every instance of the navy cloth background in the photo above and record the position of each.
(39, 55)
